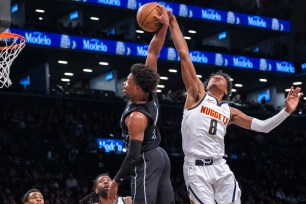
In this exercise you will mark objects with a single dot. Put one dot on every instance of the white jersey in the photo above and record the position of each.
(204, 127)
(120, 200)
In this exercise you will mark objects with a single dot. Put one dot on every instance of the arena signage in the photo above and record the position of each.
(203, 13)
(65, 41)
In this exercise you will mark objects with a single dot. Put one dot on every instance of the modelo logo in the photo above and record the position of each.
(198, 57)
(142, 50)
(120, 48)
(211, 15)
(110, 2)
(257, 21)
(132, 4)
(38, 38)
(242, 62)
(284, 67)
(110, 145)
(183, 10)
(171, 54)
(94, 45)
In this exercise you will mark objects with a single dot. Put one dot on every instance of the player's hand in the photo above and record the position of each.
(163, 18)
(293, 99)
(112, 192)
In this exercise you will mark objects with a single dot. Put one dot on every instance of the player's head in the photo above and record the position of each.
(141, 77)
(222, 81)
(102, 184)
(33, 196)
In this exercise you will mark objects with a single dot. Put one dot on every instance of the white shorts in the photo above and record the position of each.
(211, 184)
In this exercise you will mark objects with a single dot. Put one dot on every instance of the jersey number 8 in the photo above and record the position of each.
(213, 127)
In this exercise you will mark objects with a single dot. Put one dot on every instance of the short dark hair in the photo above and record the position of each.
(228, 80)
(145, 77)
(26, 195)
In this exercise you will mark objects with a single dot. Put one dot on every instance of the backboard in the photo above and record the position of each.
(5, 14)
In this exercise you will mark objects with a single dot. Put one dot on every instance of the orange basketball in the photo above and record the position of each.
(146, 17)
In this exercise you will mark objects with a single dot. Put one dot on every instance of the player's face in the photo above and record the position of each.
(35, 198)
(103, 184)
(129, 86)
(218, 81)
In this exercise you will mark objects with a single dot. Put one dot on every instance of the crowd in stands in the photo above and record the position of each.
(50, 143)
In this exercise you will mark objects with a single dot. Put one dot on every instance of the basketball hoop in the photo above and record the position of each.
(10, 46)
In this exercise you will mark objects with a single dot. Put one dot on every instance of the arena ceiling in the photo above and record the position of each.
(242, 38)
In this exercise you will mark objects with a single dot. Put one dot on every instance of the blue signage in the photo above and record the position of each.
(111, 145)
(303, 66)
(209, 14)
(141, 50)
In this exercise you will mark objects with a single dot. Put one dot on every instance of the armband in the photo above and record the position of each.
(270, 123)
(130, 161)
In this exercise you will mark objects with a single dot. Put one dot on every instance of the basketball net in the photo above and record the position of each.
(10, 46)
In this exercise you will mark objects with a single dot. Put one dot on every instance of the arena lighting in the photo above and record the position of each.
(234, 90)
(158, 91)
(39, 11)
(238, 85)
(192, 31)
(139, 31)
(62, 62)
(263, 80)
(163, 78)
(65, 80)
(297, 83)
(187, 37)
(68, 74)
(94, 18)
(172, 70)
(40, 18)
(103, 63)
(160, 86)
(287, 90)
(87, 70)
(304, 98)
(231, 79)
(199, 76)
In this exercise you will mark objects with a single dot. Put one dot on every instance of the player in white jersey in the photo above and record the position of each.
(207, 176)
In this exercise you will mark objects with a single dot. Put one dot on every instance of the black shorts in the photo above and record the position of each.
(150, 181)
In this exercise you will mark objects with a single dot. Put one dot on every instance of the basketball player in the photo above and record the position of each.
(33, 196)
(205, 119)
(100, 194)
(149, 163)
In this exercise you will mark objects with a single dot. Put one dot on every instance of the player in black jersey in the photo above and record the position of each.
(146, 162)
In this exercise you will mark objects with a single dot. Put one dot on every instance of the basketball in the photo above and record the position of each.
(146, 17)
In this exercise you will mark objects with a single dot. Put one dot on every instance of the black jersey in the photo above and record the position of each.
(151, 110)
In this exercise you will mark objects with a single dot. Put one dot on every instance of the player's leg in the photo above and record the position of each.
(137, 188)
(197, 181)
(165, 193)
(146, 179)
(226, 189)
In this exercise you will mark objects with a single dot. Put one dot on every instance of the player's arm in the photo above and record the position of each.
(194, 86)
(136, 123)
(158, 40)
(247, 122)
(128, 200)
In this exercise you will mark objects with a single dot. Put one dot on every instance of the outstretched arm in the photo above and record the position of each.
(194, 87)
(269, 124)
(158, 40)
